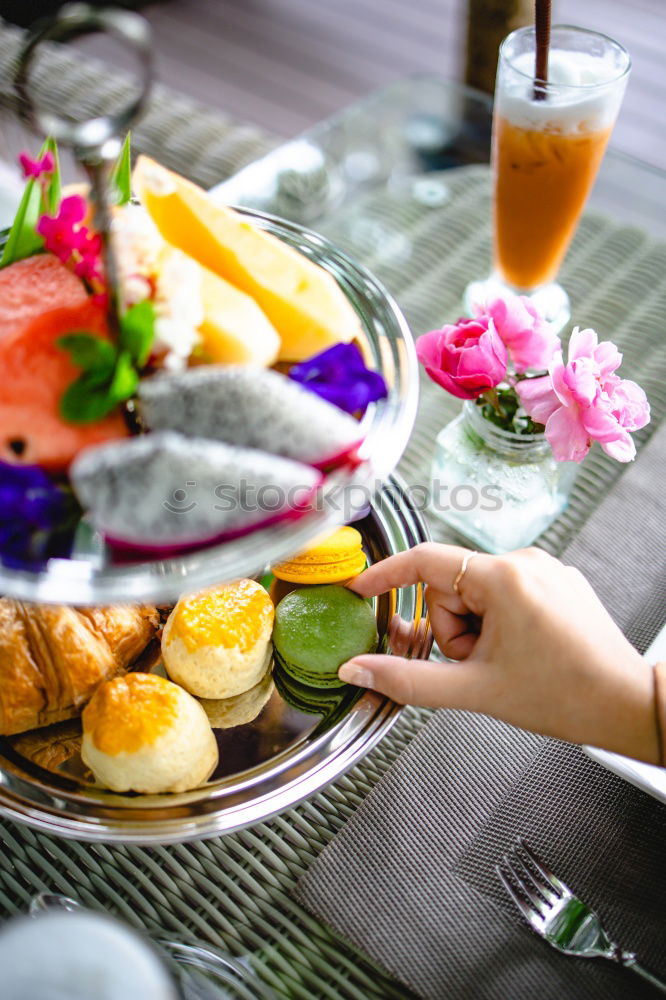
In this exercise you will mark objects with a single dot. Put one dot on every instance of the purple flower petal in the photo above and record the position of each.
(339, 375)
(33, 510)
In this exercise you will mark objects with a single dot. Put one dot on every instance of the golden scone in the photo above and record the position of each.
(142, 733)
(217, 643)
(225, 713)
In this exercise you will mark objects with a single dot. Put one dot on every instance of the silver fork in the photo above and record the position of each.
(552, 910)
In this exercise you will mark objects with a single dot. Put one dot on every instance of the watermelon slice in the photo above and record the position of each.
(30, 286)
(34, 373)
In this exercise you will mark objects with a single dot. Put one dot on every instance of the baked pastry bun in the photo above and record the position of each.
(216, 643)
(225, 713)
(142, 733)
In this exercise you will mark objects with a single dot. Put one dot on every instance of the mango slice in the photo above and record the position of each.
(303, 302)
(234, 330)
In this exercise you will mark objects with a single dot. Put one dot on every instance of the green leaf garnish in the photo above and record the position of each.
(137, 330)
(121, 177)
(86, 401)
(23, 240)
(89, 352)
(53, 194)
(125, 379)
(110, 374)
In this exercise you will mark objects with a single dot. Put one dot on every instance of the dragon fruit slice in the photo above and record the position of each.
(253, 407)
(164, 492)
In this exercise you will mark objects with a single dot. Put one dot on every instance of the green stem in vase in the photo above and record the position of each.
(492, 396)
(502, 408)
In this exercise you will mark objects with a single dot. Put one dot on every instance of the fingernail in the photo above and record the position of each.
(354, 673)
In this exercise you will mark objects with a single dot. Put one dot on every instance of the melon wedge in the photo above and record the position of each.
(303, 302)
(31, 286)
(34, 373)
(234, 329)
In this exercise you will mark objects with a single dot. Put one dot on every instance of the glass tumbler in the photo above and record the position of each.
(548, 143)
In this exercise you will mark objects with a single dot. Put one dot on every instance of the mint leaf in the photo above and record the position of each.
(121, 178)
(97, 392)
(125, 379)
(86, 400)
(109, 377)
(89, 352)
(137, 330)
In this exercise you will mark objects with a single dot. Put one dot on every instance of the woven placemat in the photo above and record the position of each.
(185, 135)
(426, 254)
(234, 891)
(411, 879)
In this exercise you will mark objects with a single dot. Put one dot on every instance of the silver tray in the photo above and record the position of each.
(388, 348)
(266, 766)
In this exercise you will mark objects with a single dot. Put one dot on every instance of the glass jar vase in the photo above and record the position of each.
(496, 488)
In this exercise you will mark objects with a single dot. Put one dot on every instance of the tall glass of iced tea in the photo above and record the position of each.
(547, 147)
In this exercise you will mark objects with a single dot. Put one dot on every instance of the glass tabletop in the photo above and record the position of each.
(402, 137)
(401, 182)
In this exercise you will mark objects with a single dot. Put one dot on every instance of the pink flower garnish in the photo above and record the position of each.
(466, 358)
(72, 209)
(35, 168)
(57, 236)
(88, 269)
(61, 233)
(73, 243)
(585, 401)
(529, 339)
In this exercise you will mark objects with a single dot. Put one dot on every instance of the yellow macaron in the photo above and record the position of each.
(338, 557)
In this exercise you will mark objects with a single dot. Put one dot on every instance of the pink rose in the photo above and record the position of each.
(584, 401)
(530, 340)
(465, 358)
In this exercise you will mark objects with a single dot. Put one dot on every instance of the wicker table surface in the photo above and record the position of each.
(234, 892)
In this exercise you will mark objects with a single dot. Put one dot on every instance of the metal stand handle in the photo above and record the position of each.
(95, 142)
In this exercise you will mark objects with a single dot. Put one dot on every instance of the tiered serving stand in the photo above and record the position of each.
(285, 755)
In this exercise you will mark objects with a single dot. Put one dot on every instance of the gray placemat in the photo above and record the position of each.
(410, 880)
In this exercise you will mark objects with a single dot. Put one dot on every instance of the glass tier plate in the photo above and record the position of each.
(297, 743)
(91, 578)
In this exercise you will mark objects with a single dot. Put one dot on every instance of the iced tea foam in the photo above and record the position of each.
(583, 94)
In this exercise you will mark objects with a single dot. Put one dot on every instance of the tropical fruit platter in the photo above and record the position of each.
(196, 414)
(199, 410)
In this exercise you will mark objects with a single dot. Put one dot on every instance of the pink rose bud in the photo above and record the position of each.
(466, 358)
(529, 339)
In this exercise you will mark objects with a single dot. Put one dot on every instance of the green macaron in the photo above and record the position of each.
(317, 629)
(308, 700)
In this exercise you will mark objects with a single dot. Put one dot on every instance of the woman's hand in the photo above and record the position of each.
(538, 649)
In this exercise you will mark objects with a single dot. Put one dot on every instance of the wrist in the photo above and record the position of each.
(629, 719)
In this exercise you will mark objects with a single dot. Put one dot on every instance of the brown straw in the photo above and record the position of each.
(542, 28)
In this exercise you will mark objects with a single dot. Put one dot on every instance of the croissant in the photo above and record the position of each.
(52, 657)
